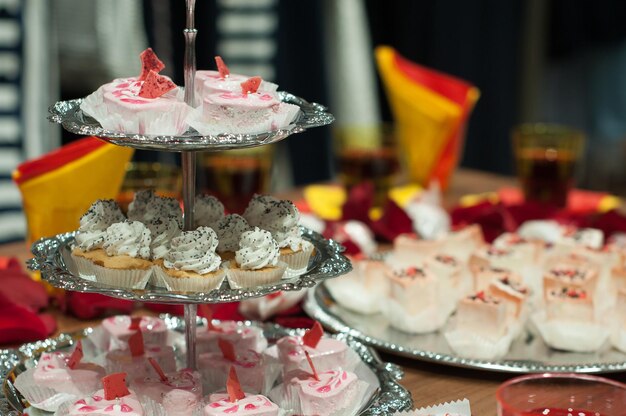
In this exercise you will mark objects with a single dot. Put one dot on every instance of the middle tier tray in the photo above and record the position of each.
(52, 258)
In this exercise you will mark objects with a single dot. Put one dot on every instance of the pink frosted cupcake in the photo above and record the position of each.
(118, 329)
(256, 262)
(192, 265)
(148, 104)
(178, 392)
(242, 337)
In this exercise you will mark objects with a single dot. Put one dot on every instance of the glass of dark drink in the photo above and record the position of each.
(561, 394)
(367, 153)
(234, 176)
(547, 156)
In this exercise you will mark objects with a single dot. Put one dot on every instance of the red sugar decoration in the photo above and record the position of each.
(206, 311)
(221, 67)
(115, 386)
(76, 356)
(312, 337)
(233, 387)
(135, 343)
(228, 351)
(158, 369)
(308, 358)
(251, 85)
(134, 322)
(149, 62)
(155, 86)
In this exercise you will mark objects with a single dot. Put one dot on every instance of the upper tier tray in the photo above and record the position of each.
(69, 114)
(52, 258)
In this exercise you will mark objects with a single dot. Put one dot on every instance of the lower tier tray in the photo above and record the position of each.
(528, 354)
(388, 398)
(52, 258)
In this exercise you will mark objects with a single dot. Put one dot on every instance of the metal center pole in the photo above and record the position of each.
(188, 161)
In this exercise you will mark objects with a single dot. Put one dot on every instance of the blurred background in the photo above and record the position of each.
(559, 61)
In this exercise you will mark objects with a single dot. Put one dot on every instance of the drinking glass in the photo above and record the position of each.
(367, 153)
(561, 395)
(547, 156)
(234, 176)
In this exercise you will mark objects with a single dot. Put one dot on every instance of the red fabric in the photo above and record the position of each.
(19, 324)
(57, 158)
(93, 305)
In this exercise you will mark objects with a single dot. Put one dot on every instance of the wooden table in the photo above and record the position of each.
(428, 383)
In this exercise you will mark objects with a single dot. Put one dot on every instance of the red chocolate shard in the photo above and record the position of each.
(312, 337)
(308, 358)
(251, 85)
(149, 62)
(115, 386)
(207, 312)
(233, 387)
(134, 322)
(158, 369)
(228, 351)
(155, 86)
(221, 67)
(135, 343)
(76, 356)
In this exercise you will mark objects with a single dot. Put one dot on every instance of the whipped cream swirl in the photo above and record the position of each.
(229, 230)
(208, 210)
(95, 221)
(257, 249)
(130, 238)
(274, 215)
(146, 206)
(163, 230)
(194, 251)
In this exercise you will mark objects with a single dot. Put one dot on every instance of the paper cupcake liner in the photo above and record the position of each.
(44, 398)
(469, 345)
(84, 267)
(297, 262)
(190, 284)
(570, 336)
(240, 278)
(131, 278)
(618, 339)
(428, 320)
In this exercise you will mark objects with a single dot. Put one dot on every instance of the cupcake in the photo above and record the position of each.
(91, 233)
(55, 380)
(178, 392)
(134, 360)
(162, 230)
(229, 229)
(96, 404)
(242, 337)
(127, 264)
(191, 265)
(118, 329)
(147, 104)
(146, 207)
(250, 405)
(207, 211)
(256, 262)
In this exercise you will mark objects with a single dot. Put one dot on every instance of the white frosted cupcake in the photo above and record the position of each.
(191, 265)
(207, 211)
(127, 263)
(256, 262)
(146, 207)
(229, 230)
(295, 252)
(91, 233)
(163, 231)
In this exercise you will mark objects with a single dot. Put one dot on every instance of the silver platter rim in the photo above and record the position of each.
(49, 258)
(74, 120)
(314, 307)
(390, 398)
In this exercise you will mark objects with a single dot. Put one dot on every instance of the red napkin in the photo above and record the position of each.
(93, 305)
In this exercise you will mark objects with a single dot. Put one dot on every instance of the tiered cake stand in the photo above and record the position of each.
(52, 254)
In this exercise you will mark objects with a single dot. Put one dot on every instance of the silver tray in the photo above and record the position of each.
(528, 354)
(389, 398)
(52, 258)
(72, 118)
